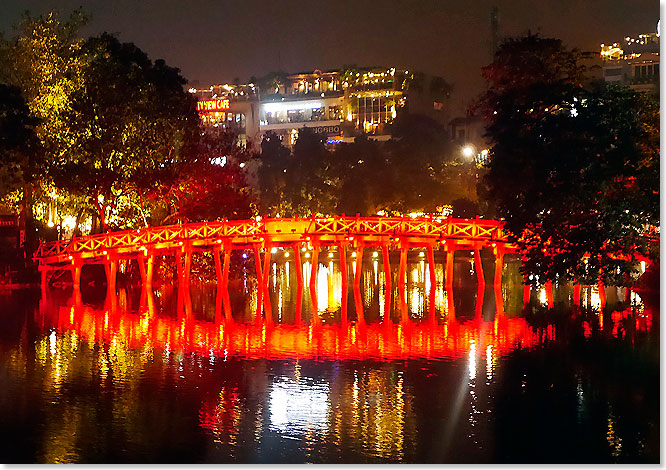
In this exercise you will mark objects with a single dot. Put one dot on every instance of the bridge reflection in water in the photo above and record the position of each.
(254, 376)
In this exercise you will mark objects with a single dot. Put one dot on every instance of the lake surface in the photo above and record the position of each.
(468, 376)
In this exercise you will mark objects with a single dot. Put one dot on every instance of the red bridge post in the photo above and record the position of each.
(266, 277)
(111, 266)
(576, 294)
(314, 267)
(387, 281)
(478, 266)
(402, 282)
(549, 294)
(299, 282)
(225, 281)
(499, 263)
(76, 273)
(450, 253)
(433, 282)
(358, 300)
(345, 283)
(260, 282)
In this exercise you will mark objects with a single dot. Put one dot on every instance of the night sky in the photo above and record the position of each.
(217, 41)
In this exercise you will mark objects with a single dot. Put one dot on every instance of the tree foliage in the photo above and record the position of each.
(131, 115)
(207, 185)
(19, 145)
(574, 167)
(412, 172)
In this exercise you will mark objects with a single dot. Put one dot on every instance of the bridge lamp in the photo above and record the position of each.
(375, 254)
(330, 255)
(307, 255)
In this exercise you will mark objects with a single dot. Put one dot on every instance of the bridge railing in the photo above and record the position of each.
(439, 228)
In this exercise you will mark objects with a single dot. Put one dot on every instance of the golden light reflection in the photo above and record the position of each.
(120, 331)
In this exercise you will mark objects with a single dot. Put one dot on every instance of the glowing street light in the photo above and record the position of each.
(468, 151)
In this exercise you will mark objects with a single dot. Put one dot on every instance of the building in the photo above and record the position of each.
(468, 136)
(234, 107)
(633, 62)
(338, 104)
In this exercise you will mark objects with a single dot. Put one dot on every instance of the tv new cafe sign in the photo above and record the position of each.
(211, 106)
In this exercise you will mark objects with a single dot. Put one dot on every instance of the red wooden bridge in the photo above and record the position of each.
(258, 234)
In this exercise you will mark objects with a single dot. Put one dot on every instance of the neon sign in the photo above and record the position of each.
(208, 106)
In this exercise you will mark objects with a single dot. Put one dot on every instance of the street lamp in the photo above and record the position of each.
(468, 151)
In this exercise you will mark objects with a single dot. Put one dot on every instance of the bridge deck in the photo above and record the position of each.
(322, 231)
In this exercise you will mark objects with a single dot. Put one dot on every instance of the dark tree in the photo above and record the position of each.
(272, 173)
(367, 180)
(131, 115)
(574, 167)
(207, 185)
(417, 153)
(19, 146)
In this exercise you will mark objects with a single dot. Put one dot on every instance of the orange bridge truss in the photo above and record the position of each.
(355, 233)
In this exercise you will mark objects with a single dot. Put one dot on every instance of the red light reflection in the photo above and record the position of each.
(281, 341)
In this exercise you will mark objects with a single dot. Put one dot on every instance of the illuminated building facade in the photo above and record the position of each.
(633, 62)
(233, 107)
(468, 134)
(338, 104)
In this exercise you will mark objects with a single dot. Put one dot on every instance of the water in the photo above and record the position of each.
(92, 378)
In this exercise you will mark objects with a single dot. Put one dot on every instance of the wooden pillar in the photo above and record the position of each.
(260, 282)
(150, 301)
(345, 283)
(402, 283)
(576, 294)
(150, 264)
(225, 281)
(549, 294)
(358, 300)
(450, 253)
(76, 273)
(499, 263)
(179, 266)
(431, 267)
(299, 283)
(268, 312)
(187, 300)
(141, 261)
(388, 285)
(602, 293)
(44, 272)
(314, 267)
(478, 266)
(187, 268)
(113, 271)
(526, 292)
(218, 303)
(111, 302)
(499, 300)
(627, 294)
(433, 282)
(218, 265)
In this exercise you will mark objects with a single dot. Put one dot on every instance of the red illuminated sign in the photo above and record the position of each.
(208, 106)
